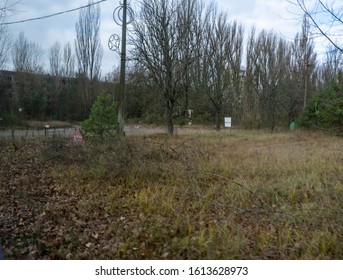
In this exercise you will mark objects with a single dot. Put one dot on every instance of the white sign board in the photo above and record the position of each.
(227, 122)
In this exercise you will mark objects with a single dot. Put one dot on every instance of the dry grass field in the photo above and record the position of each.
(197, 195)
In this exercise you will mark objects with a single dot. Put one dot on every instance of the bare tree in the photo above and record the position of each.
(20, 53)
(7, 7)
(325, 17)
(8, 102)
(68, 66)
(88, 47)
(236, 38)
(89, 52)
(251, 111)
(303, 63)
(5, 41)
(27, 56)
(55, 59)
(331, 70)
(190, 16)
(28, 89)
(271, 58)
(159, 37)
(220, 61)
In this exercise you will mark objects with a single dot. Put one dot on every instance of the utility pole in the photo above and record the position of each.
(121, 107)
(122, 16)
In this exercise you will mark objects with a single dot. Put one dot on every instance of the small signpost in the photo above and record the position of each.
(190, 113)
(46, 127)
(228, 122)
(77, 138)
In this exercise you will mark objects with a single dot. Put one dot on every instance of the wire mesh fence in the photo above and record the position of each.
(39, 132)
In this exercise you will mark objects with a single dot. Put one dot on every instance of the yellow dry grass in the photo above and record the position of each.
(198, 195)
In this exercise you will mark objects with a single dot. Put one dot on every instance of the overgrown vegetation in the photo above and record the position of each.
(199, 61)
(325, 110)
(200, 195)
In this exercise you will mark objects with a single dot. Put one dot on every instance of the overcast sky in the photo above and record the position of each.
(267, 14)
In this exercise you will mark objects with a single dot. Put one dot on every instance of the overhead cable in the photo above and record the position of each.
(53, 15)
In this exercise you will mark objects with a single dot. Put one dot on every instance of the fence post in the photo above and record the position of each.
(1, 253)
(46, 127)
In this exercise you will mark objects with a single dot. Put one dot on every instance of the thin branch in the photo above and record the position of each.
(310, 15)
(331, 12)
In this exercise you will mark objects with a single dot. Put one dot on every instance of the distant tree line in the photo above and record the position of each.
(183, 55)
(72, 83)
(191, 56)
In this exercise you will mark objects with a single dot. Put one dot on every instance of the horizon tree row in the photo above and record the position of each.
(75, 75)
(192, 57)
(183, 55)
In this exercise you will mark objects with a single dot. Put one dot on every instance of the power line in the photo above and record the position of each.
(53, 15)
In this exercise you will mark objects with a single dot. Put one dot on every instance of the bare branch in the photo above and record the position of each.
(319, 9)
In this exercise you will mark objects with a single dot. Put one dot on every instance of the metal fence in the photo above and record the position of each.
(39, 132)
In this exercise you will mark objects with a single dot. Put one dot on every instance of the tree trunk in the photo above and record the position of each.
(169, 119)
(218, 119)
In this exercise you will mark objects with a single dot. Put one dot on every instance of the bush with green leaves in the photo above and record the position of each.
(325, 110)
(103, 119)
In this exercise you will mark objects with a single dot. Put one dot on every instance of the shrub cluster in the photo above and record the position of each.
(325, 110)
